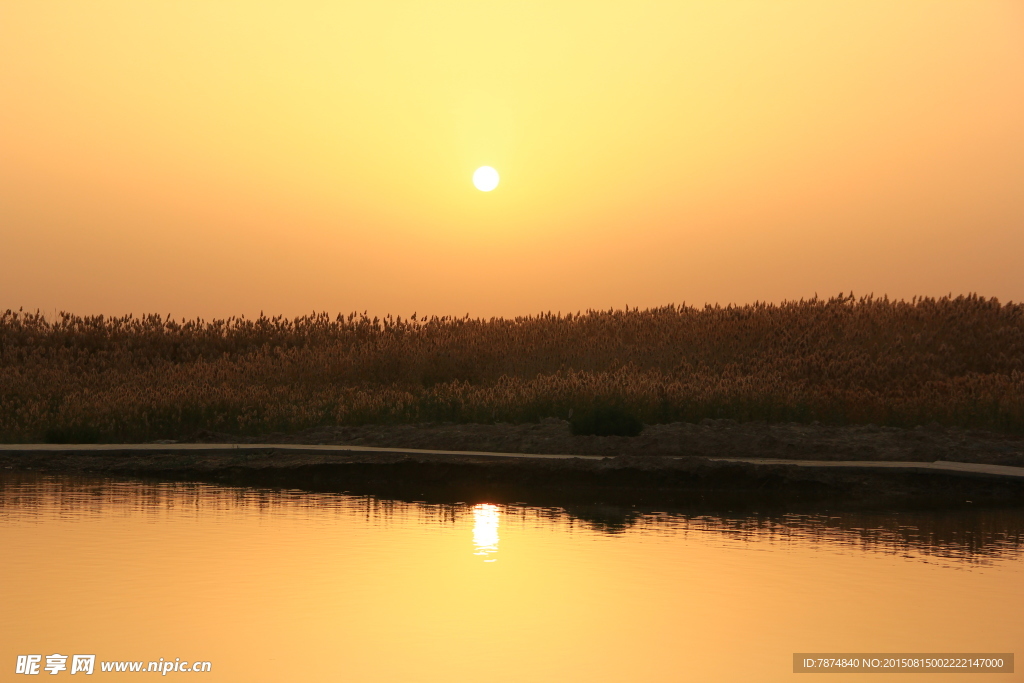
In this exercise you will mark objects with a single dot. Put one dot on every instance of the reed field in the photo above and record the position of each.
(955, 361)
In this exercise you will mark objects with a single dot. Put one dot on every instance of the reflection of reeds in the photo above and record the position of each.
(956, 361)
(973, 536)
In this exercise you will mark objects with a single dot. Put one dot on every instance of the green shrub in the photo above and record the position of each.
(605, 420)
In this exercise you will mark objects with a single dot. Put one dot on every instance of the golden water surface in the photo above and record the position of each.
(292, 586)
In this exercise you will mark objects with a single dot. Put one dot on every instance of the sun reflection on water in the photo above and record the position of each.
(485, 529)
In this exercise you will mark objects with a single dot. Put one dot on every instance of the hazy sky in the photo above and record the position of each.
(213, 158)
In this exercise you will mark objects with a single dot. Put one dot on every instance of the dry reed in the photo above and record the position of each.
(955, 361)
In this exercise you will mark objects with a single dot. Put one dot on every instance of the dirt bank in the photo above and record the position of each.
(681, 482)
(710, 438)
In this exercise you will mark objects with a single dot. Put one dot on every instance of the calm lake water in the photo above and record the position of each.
(283, 586)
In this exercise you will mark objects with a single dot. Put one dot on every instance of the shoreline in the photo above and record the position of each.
(709, 438)
(542, 479)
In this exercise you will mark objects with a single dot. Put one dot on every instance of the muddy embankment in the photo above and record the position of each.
(709, 439)
(666, 465)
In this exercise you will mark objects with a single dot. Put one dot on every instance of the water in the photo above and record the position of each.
(291, 586)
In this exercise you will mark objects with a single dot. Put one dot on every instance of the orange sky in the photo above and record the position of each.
(218, 158)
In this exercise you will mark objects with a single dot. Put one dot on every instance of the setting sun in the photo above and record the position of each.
(485, 179)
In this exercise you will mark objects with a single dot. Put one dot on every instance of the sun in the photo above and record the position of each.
(485, 178)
